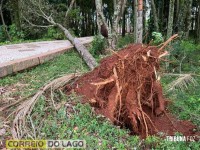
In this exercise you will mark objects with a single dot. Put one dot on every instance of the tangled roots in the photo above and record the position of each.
(124, 84)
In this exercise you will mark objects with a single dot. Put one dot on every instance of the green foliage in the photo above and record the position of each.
(15, 34)
(2, 33)
(185, 54)
(185, 104)
(75, 13)
(123, 41)
(98, 46)
(157, 38)
(54, 33)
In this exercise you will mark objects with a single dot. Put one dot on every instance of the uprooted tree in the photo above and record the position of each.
(42, 9)
(123, 85)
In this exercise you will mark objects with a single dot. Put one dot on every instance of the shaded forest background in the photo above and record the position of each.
(82, 19)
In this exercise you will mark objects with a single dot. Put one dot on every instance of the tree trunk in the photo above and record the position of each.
(70, 7)
(161, 16)
(145, 31)
(118, 11)
(89, 59)
(139, 22)
(124, 24)
(188, 18)
(67, 12)
(170, 19)
(3, 22)
(135, 3)
(16, 13)
(117, 16)
(155, 16)
(198, 24)
(181, 17)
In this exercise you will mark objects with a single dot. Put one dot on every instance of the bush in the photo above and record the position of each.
(98, 45)
(157, 38)
(15, 34)
(186, 54)
(125, 41)
(54, 33)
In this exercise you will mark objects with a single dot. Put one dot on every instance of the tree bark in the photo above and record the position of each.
(3, 22)
(170, 19)
(155, 16)
(198, 24)
(139, 22)
(70, 7)
(124, 24)
(181, 17)
(188, 18)
(100, 17)
(117, 16)
(16, 13)
(135, 3)
(89, 59)
(118, 11)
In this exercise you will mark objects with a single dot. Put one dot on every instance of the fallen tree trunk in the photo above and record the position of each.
(88, 58)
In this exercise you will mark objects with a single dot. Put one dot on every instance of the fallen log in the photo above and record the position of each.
(82, 50)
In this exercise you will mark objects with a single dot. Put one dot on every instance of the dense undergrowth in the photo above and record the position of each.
(83, 123)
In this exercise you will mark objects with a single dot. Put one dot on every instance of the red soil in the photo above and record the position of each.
(125, 88)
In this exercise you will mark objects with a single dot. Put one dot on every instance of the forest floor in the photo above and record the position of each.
(74, 120)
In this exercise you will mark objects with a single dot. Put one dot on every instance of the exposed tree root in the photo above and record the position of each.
(126, 82)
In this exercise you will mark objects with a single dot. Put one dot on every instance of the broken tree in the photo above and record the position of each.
(38, 10)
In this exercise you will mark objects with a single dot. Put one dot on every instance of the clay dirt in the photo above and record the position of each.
(126, 88)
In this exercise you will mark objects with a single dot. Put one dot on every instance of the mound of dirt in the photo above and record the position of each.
(125, 87)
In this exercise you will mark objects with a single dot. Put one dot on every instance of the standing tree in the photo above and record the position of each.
(139, 21)
(155, 15)
(15, 9)
(3, 21)
(198, 23)
(119, 7)
(188, 18)
(170, 19)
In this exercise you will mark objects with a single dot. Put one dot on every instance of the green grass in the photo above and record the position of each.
(123, 41)
(70, 62)
(185, 104)
(98, 132)
(78, 121)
